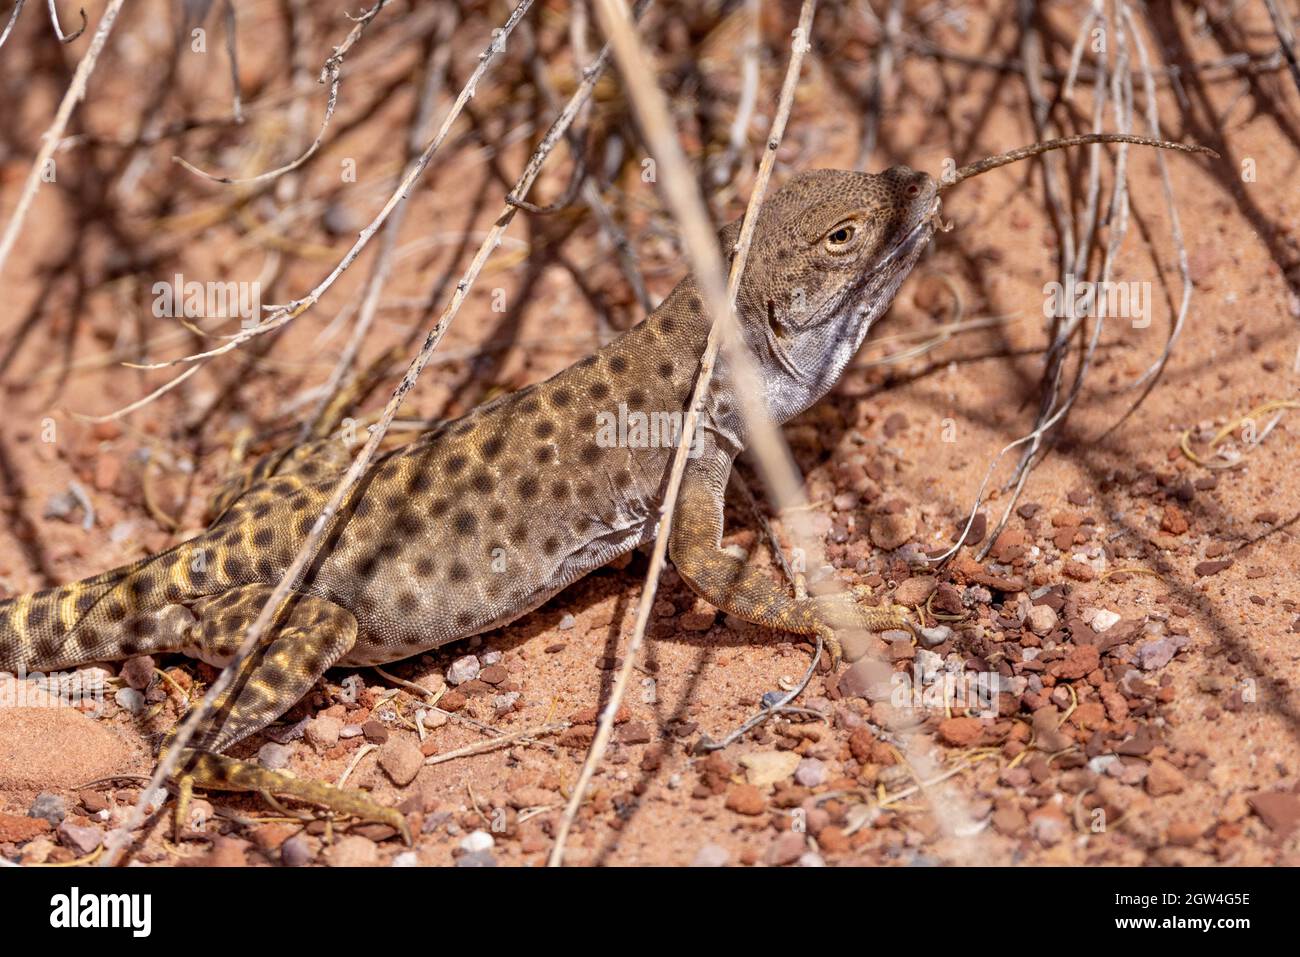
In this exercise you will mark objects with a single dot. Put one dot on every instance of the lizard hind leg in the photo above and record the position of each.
(314, 635)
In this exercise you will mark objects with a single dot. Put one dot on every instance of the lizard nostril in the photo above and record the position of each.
(913, 190)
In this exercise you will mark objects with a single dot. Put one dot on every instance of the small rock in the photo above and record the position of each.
(296, 852)
(1103, 620)
(128, 699)
(786, 849)
(406, 859)
(810, 772)
(894, 424)
(1279, 810)
(933, 637)
(376, 732)
(1079, 661)
(16, 830)
(463, 669)
(493, 674)
(745, 799)
(567, 623)
(477, 841)
(961, 732)
(711, 855)
(81, 839)
(1042, 619)
(914, 591)
(1156, 654)
(477, 859)
(890, 530)
(351, 851)
(765, 768)
(1048, 825)
(138, 672)
(322, 732)
(274, 756)
(401, 760)
(1174, 520)
(1163, 778)
(49, 807)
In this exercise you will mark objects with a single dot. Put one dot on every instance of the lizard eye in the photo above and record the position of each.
(840, 235)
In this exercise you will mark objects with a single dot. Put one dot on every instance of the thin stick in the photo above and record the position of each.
(295, 309)
(50, 138)
(1085, 139)
(688, 208)
(1175, 225)
(1281, 18)
(435, 77)
(307, 551)
(58, 30)
(13, 18)
(491, 744)
(332, 72)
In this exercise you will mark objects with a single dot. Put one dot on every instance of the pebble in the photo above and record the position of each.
(567, 623)
(914, 591)
(811, 772)
(891, 530)
(322, 732)
(16, 830)
(351, 851)
(1042, 619)
(1279, 810)
(961, 732)
(1103, 619)
(477, 859)
(81, 839)
(128, 699)
(138, 672)
(745, 799)
(376, 732)
(765, 768)
(1163, 778)
(274, 756)
(811, 859)
(1048, 825)
(401, 760)
(463, 669)
(476, 842)
(1156, 654)
(933, 637)
(406, 859)
(711, 855)
(49, 807)
(296, 852)
(786, 849)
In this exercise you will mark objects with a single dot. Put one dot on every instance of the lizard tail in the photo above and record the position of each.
(122, 613)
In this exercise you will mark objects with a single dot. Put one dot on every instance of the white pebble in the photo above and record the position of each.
(477, 841)
(463, 669)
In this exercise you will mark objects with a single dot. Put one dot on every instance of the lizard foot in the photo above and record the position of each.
(220, 773)
(846, 622)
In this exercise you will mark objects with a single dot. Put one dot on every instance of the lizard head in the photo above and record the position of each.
(831, 248)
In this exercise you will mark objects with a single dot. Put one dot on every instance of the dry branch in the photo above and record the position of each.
(50, 138)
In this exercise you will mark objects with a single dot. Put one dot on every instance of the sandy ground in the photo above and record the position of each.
(1142, 610)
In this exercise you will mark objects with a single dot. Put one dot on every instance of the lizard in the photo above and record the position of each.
(482, 519)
